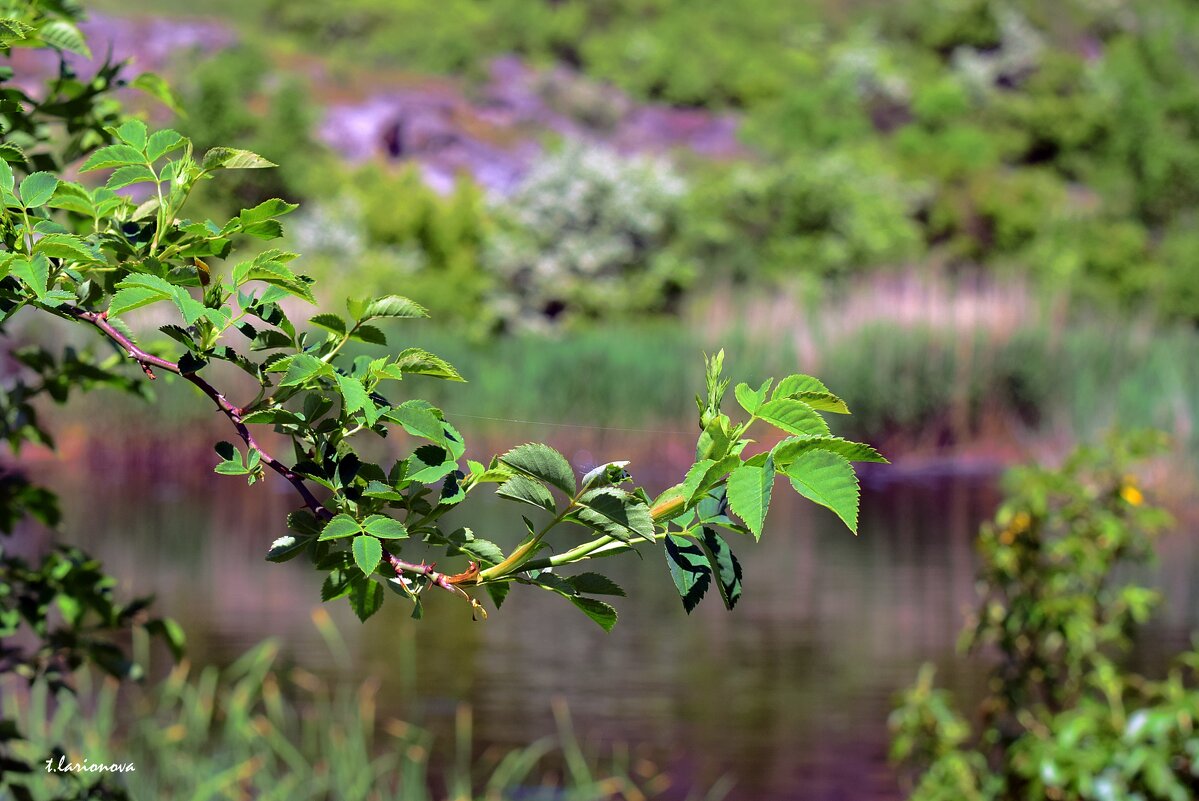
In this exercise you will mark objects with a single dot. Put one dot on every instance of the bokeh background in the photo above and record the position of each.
(975, 220)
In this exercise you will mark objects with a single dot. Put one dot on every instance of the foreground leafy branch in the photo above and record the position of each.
(98, 255)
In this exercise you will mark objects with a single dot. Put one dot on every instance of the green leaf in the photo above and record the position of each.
(384, 527)
(161, 143)
(793, 416)
(792, 448)
(7, 178)
(543, 463)
(37, 188)
(112, 156)
(419, 421)
(749, 488)
(69, 248)
(689, 568)
(72, 197)
(415, 360)
(526, 490)
(616, 513)
(751, 399)
(829, 480)
(126, 300)
(285, 548)
(724, 566)
(228, 158)
(171, 633)
(367, 553)
(822, 401)
(595, 584)
(368, 334)
(330, 322)
(34, 272)
(357, 399)
(63, 35)
(603, 614)
(366, 597)
(130, 174)
(341, 526)
(158, 88)
(302, 368)
(266, 210)
(393, 306)
(133, 133)
(794, 384)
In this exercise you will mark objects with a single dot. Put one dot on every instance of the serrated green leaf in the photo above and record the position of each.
(330, 322)
(366, 597)
(725, 567)
(302, 368)
(393, 306)
(7, 179)
(689, 568)
(797, 383)
(793, 416)
(112, 156)
(72, 197)
(543, 463)
(340, 526)
(749, 488)
(421, 362)
(526, 490)
(63, 35)
(616, 513)
(357, 399)
(749, 398)
(829, 480)
(603, 614)
(368, 552)
(369, 334)
(385, 528)
(162, 142)
(35, 272)
(228, 158)
(419, 421)
(130, 174)
(595, 584)
(287, 547)
(69, 248)
(126, 300)
(36, 189)
(133, 133)
(157, 87)
(791, 448)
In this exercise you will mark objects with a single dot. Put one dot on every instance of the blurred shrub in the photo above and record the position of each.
(582, 238)
(232, 100)
(402, 236)
(1062, 718)
(821, 215)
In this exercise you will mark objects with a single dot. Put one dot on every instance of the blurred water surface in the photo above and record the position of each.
(788, 695)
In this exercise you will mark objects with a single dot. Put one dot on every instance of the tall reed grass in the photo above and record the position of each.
(257, 730)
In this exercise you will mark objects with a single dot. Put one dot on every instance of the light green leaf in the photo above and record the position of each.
(130, 174)
(384, 527)
(69, 248)
(302, 368)
(751, 399)
(791, 448)
(133, 133)
(72, 197)
(63, 35)
(356, 398)
(37, 189)
(616, 513)
(543, 463)
(822, 401)
(330, 322)
(725, 567)
(749, 488)
(163, 142)
(367, 553)
(829, 480)
(157, 87)
(393, 306)
(229, 158)
(421, 362)
(793, 416)
(341, 526)
(603, 614)
(7, 178)
(526, 490)
(112, 156)
(128, 299)
(34, 272)
(794, 384)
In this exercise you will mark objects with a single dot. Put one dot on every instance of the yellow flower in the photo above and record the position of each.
(1132, 495)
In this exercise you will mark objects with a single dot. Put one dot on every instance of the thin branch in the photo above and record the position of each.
(149, 361)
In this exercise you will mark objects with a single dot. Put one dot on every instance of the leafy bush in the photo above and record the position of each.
(581, 239)
(1062, 718)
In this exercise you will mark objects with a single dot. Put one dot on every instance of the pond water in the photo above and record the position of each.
(788, 695)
